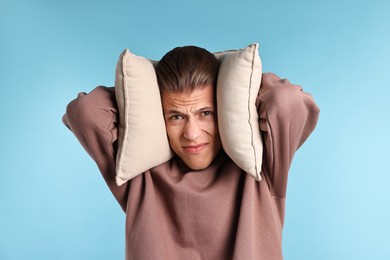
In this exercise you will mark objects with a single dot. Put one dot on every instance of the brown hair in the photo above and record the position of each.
(187, 68)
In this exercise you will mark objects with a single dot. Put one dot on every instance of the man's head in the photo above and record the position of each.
(187, 78)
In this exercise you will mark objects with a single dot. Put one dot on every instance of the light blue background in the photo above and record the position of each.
(53, 201)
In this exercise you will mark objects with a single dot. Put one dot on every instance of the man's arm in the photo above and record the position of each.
(93, 120)
(287, 117)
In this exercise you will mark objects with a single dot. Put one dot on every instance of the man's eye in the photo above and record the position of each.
(207, 113)
(176, 117)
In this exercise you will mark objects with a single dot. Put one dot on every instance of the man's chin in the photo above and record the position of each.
(197, 164)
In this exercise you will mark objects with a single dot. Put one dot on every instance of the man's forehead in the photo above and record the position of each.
(198, 98)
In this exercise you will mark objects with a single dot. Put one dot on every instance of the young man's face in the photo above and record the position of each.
(191, 124)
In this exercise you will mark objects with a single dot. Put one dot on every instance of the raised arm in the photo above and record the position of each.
(93, 120)
(287, 117)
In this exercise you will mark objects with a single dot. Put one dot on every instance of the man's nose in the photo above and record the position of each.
(192, 130)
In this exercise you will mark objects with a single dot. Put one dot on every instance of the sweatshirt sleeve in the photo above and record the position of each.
(93, 119)
(287, 117)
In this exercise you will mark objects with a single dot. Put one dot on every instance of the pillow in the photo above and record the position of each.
(238, 84)
(142, 138)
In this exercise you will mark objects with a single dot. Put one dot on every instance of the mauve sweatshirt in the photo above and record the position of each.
(220, 212)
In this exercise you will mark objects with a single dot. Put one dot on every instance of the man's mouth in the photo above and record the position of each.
(194, 148)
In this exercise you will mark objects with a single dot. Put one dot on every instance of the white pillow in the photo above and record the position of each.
(238, 85)
(142, 139)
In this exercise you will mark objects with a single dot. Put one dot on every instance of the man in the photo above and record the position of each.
(200, 204)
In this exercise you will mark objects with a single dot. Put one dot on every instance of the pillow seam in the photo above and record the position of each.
(249, 111)
(125, 97)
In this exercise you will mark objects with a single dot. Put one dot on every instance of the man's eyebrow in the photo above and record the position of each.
(172, 111)
(206, 108)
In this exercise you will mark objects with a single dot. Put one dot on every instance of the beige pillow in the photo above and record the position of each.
(142, 139)
(237, 88)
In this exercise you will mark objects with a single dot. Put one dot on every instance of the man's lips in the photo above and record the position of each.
(194, 148)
